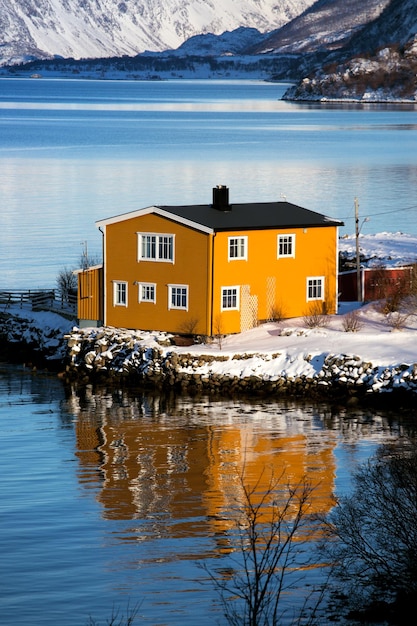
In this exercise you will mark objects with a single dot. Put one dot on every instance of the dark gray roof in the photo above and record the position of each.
(252, 216)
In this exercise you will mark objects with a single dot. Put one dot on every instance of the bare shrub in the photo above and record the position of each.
(397, 320)
(66, 284)
(277, 313)
(397, 294)
(273, 523)
(218, 330)
(372, 534)
(316, 316)
(351, 322)
(392, 303)
(188, 327)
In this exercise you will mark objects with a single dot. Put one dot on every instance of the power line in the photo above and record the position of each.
(414, 206)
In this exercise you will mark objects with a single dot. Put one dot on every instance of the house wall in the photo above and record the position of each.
(192, 261)
(376, 283)
(89, 296)
(269, 287)
(272, 287)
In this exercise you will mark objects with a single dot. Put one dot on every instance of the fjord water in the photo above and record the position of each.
(113, 499)
(76, 151)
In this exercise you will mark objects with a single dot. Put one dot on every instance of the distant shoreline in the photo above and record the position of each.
(11, 73)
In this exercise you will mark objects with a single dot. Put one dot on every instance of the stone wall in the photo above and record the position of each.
(124, 357)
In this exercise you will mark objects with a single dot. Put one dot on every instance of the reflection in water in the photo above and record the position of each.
(152, 493)
(178, 462)
(172, 465)
(168, 470)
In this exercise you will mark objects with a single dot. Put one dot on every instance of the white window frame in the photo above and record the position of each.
(117, 300)
(290, 237)
(171, 305)
(241, 246)
(158, 245)
(230, 288)
(141, 287)
(311, 286)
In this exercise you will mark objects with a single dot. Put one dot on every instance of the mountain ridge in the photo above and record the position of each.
(368, 53)
(45, 29)
(378, 65)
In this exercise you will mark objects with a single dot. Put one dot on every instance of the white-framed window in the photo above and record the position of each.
(315, 288)
(230, 299)
(120, 293)
(147, 292)
(178, 297)
(156, 247)
(238, 248)
(286, 246)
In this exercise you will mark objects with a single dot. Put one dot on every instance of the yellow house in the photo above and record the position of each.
(211, 269)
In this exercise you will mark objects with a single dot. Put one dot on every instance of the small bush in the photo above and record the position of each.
(218, 331)
(397, 320)
(188, 327)
(316, 316)
(277, 313)
(392, 303)
(351, 322)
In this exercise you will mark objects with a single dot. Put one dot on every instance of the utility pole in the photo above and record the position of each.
(84, 255)
(358, 261)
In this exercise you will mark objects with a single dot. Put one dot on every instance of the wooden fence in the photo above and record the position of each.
(38, 299)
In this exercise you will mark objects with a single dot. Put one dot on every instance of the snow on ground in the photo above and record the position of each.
(392, 249)
(302, 350)
(291, 348)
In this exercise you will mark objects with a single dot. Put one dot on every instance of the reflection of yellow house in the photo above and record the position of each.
(186, 480)
(211, 269)
(261, 462)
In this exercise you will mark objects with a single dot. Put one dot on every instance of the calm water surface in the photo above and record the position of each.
(111, 498)
(73, 152)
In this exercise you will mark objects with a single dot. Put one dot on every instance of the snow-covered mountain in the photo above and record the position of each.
(234, 42)
(378, 64)
(356, 49)
(327, 24)
(105, 28)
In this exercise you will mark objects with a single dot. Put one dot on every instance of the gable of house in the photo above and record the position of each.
(156, 274)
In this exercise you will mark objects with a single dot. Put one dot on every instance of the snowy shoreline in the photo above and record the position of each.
(274, 358)
(126, 357)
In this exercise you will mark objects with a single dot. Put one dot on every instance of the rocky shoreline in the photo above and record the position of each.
(120, 357)
(113, 355)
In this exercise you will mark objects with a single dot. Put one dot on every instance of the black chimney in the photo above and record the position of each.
(221, 198)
